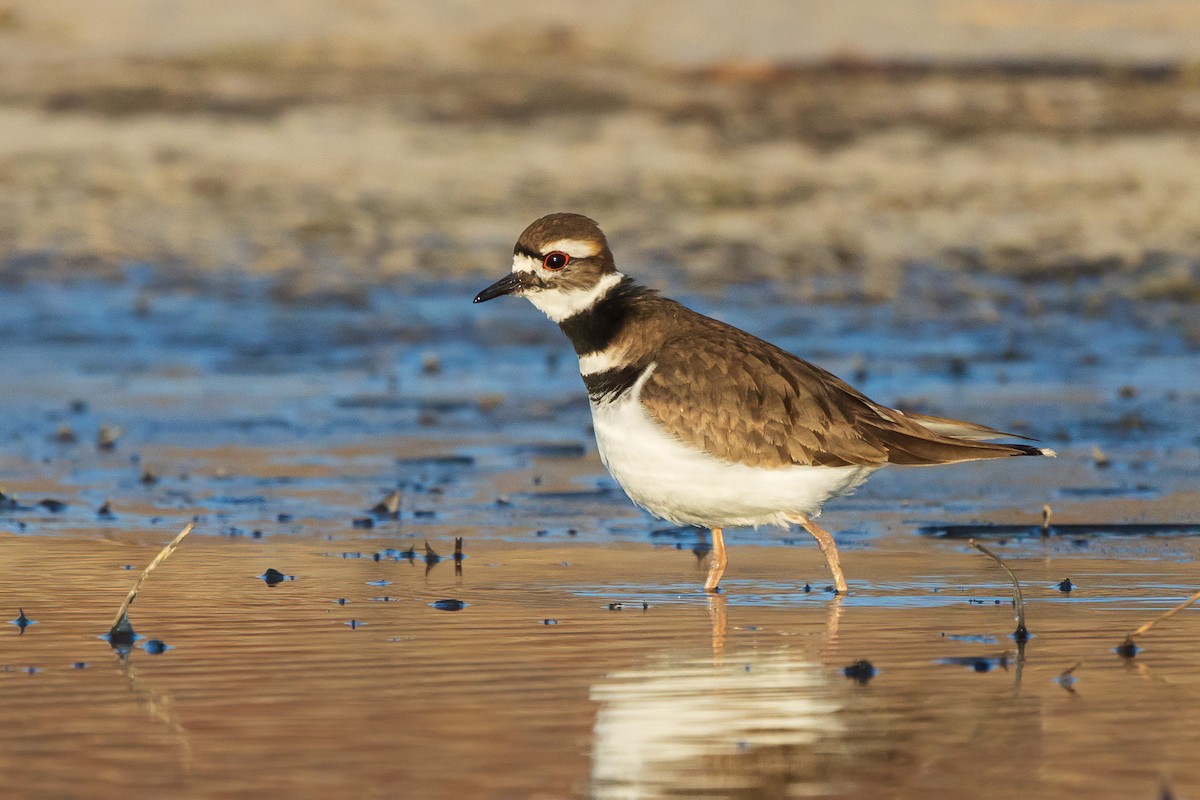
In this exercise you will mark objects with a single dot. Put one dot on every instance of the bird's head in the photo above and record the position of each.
(561, 263)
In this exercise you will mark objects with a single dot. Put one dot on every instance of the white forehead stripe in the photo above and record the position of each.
(575, 248)
(524, 263)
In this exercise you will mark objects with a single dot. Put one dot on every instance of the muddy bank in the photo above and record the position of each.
(339, 174)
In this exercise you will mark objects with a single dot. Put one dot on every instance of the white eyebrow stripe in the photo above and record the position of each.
(575, 248)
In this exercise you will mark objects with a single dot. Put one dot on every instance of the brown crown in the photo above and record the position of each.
(554, 227)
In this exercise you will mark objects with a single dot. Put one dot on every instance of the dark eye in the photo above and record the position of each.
(556, 260)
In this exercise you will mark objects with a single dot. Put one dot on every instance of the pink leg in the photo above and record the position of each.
(829, 548)
(716, 567)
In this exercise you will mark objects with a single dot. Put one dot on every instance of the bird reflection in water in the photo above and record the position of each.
(734, 722)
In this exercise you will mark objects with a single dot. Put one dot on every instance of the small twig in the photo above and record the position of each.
(1021, 634)
(137, 585)
(1066, 673)
(1129, 647)
(1067, 679)
(388, 506)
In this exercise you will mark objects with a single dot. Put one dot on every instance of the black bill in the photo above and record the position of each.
(510, 283)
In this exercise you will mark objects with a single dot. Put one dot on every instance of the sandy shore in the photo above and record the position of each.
(341, 166)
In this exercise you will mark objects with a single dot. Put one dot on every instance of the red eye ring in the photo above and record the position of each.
(556, 260)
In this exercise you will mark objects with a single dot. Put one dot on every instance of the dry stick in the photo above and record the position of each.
(158, 559)
(1066, 673)
(1065, 679)
(1128, 645)
(1021, 634)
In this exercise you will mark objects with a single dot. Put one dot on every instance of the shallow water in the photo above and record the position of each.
(584, 662)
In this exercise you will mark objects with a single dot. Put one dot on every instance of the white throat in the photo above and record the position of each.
(558, 304)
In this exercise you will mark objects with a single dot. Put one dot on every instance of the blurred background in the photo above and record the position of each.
(238, 246)
(338, 144)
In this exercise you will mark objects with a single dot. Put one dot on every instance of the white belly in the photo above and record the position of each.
(679, 483)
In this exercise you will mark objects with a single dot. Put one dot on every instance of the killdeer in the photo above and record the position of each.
(704, 424)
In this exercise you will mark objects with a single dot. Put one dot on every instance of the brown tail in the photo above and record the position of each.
(959, 429)
(925, 447)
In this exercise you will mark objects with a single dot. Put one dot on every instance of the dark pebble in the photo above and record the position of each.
(1127, 649)
(363, 522)
(122, 634)
(1065, 585)
(155, 647)
(449, 604)
(861, 671)
(273, 576)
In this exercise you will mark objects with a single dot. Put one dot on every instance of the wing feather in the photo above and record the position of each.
(742, 399)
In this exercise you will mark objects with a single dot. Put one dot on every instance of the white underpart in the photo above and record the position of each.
(677, 482)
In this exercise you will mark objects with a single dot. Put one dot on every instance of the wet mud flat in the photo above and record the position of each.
(569, 653)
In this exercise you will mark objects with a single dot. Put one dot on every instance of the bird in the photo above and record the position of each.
(704, 424)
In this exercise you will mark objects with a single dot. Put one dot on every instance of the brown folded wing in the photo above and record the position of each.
(722, 390)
